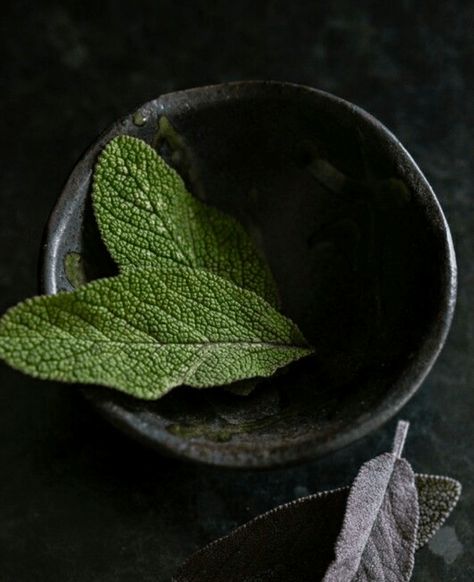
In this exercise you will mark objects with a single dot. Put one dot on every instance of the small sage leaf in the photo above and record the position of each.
(295, 541)
(74, 269)
(146, 331)
(145, 214)
(437, 497)
(378, 538)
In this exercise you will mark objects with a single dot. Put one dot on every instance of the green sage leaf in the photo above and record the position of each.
(145, 214)
(149, 330)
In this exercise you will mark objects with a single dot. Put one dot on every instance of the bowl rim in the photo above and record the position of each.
(403, 388)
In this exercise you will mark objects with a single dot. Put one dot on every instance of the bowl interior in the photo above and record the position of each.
(355, 239)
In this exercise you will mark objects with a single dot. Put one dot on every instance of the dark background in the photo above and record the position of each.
(79, 502)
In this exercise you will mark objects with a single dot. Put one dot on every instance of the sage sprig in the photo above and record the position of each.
(194, 302)
(306, 539)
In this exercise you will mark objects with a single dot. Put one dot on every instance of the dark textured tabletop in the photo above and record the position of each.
(78, 501)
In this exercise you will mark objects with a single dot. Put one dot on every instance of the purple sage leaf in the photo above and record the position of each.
(291, 543)
(295, 541)
(379, 534)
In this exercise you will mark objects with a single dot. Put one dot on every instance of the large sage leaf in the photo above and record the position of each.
(145, 214)
(295, 541)
(378, 537)
(148, 330)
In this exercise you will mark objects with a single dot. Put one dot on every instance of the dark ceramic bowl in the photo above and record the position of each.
(356, 240)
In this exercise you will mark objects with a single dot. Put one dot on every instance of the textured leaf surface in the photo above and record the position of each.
(145, 213)
(437, 497)
(378, 539)
(291, 543)
(295, 541)
(148, 330)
